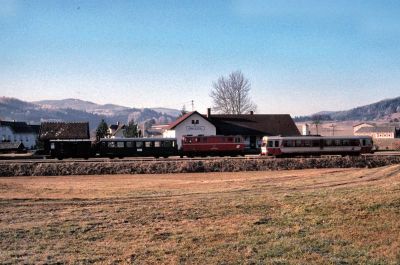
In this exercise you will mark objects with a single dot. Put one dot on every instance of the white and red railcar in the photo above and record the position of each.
(316, 145)
(214, 145)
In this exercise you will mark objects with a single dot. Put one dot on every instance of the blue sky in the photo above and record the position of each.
(300, 56)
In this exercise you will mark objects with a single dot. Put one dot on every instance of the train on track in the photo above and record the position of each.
(191, 146)
(279, 146)
(216, 145)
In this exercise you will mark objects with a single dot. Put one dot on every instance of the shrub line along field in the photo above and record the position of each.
(39, 168)
(310, 216)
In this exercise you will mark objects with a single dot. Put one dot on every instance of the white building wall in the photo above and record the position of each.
(28, 139)
(6, 134)
(200, 126)
(119, 134)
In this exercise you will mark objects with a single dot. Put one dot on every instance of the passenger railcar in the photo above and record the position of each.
(126, 147)
(215, 145)
(316, 145)
(72, 148)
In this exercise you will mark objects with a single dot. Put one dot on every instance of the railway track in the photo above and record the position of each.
(170, 159)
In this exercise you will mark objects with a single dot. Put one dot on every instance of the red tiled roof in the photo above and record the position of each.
(181, 119)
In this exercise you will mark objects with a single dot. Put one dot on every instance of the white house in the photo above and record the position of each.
(362, 125)
(116, 130)
(192, 123)
(12, 131)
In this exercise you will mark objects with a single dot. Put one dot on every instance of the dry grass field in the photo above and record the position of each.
(317, 216)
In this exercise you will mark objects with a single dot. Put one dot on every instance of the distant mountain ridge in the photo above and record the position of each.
(78, 110)
(382, 110)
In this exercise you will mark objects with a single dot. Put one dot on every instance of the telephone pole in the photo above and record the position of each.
(192, 105)
(333, 126)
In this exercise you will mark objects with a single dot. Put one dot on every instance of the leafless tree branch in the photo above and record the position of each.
(232, 95)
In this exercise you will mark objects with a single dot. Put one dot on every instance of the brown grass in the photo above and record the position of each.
(324, 216)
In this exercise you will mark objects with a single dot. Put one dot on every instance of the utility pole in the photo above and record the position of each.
(192, 105)
(333, 126)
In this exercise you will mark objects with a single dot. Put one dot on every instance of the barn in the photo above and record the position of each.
(63, 131)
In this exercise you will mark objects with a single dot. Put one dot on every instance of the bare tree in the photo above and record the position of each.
(232, 95)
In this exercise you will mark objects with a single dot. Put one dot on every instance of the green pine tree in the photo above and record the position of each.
(131, 130)
(102, 130)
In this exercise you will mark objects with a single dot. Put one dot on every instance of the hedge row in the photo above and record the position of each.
(187, 166)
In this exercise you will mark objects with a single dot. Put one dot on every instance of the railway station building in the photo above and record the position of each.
(193, 124)
(252, 127)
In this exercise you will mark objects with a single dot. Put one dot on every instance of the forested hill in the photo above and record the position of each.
(382, 110)
(78, 110)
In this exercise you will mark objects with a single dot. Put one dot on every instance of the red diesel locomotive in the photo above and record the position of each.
(215, 145)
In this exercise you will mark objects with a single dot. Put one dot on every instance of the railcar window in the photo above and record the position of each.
(307, 143)
(120, 144)
(237, 140)
(354, 142)
(157, 144)
(298, 143)
(276, 143)
(148, 144)
(139, 144)
(270, 143)
(129, 144)
(230, 139)
(315, 143)
(111, 144)
(167, 144)
(346, 142)
(368, 142)
(363, 142)
(288, 143)
(328, 143)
